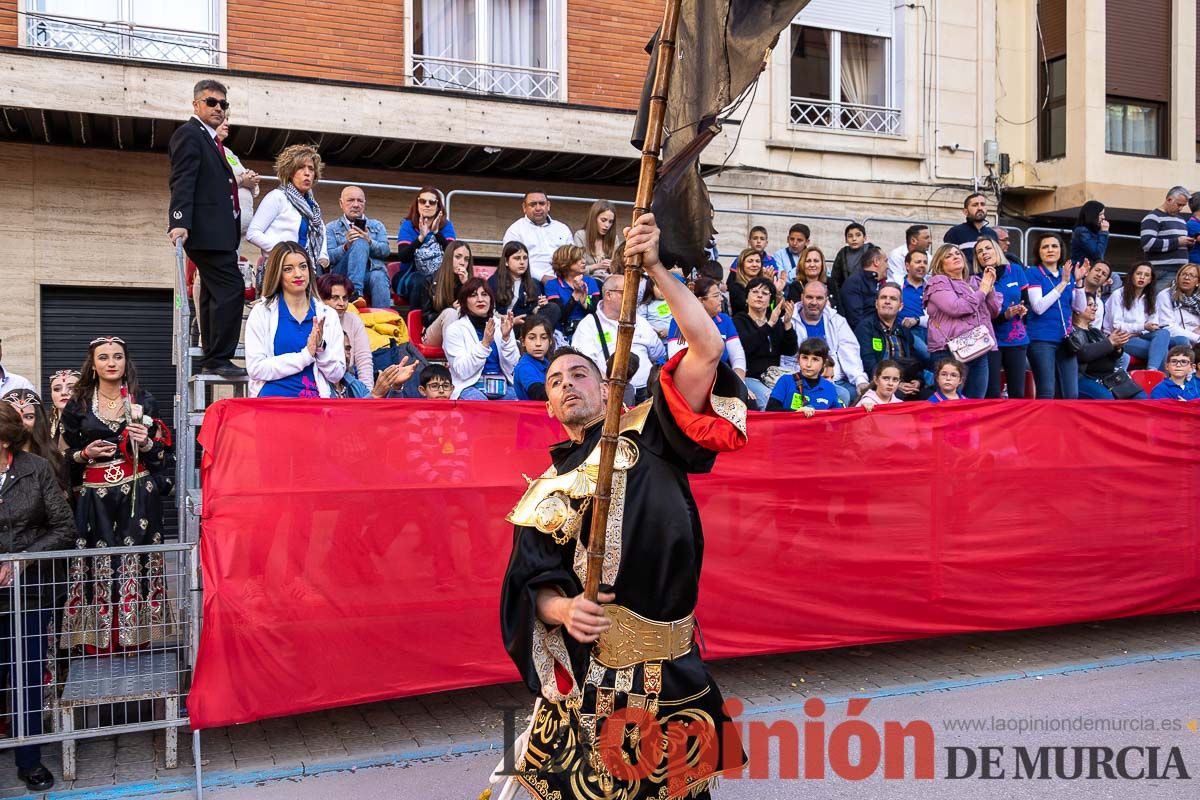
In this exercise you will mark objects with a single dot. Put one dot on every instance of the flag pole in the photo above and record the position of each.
(664, 55)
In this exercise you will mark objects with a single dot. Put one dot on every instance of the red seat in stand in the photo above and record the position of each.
(393, 267)
(1147, 378)
(415, 330)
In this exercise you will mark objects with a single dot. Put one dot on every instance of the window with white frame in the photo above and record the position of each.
(507, 47)
(177, 31)
(842, 74)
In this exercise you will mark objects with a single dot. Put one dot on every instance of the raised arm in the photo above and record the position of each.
(697, 371)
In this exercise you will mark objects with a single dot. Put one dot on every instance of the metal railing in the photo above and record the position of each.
(809, 112)
(462, 75)
(553, 198)
(115, 656)
(1065, 233)
(121, 39)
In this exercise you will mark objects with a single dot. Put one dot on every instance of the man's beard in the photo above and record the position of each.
(980, 216)
(580, 414)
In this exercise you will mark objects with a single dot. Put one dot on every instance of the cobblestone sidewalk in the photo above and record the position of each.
(471, 719)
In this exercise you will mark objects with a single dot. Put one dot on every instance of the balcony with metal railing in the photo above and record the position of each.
(509, 80)
(807, 112)
(121, 40)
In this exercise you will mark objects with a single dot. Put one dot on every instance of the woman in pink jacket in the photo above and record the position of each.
(957, 306)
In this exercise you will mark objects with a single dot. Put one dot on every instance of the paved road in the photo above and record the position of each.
(413, 730)
(1153, 690)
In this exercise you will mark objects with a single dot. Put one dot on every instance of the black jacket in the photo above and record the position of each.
(34, 517)
(201, 200)
(1097, 356)
(764, 344)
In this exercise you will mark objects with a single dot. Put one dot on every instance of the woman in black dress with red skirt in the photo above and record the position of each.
(113, 432)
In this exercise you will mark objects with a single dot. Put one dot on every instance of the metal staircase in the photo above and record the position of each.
(193, 394)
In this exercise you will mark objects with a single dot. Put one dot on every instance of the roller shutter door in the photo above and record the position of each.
(72, 316)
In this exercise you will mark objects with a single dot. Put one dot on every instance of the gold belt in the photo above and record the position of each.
(633, 639)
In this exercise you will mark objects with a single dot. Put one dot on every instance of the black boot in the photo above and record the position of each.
(37, 779)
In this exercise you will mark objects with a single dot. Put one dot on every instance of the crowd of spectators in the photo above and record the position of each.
(898, 320)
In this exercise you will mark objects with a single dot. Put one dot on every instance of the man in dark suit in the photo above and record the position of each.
(205, 215)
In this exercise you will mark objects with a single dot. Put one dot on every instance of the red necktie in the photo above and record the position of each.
(237, 203)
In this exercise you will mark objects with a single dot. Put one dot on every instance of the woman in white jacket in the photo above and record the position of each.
(294, 342)
(1133, 308)
(290, 213)
(481, 349)
(1179, 306)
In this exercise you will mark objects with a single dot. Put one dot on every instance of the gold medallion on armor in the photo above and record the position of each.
(551, 513)
(113, 474)
(627, 455)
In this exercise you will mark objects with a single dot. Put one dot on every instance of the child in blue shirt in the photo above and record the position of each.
(1180, 383)
(806, 392)
(529, 376)
(949, 375)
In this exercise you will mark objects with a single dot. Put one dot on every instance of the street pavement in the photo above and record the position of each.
(1155, 689)
(443, 745)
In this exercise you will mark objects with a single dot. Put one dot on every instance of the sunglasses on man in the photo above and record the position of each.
(213, 102)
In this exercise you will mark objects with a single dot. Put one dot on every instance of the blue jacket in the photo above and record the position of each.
(335, 237)
(529, 373)
(1055, 323)
(1168, 389)
(788, 396)
(1085, 244)
(1193, 229)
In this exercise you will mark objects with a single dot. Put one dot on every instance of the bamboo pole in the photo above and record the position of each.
(665, 60)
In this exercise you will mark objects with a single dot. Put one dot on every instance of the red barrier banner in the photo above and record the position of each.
(353, 550)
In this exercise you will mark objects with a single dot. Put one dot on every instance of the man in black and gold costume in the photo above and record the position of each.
(633, 656)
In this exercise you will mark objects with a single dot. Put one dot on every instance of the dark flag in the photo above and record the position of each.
(720, 47)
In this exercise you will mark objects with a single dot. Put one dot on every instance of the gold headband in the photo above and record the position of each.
(22, 399)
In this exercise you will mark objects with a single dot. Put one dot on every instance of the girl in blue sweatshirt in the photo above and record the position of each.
(529, 376)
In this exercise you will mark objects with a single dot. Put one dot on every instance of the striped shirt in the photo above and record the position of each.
(1160, 240)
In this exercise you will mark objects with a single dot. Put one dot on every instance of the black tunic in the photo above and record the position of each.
(654, 569)
(125, 595)
(764, 344)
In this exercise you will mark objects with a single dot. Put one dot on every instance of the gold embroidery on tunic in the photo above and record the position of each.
(731, 409)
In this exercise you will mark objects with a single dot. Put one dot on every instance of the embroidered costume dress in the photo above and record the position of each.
(123, 602)
(647, 660)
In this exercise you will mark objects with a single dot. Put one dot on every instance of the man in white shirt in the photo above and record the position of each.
(10, 382)
(646, 344)
(917, 238)
(814, 317)
(540, 234)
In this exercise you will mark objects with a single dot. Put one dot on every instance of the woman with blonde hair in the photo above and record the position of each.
(810, 266)
(1179, 306)
(294, 342)
(290, 213)
(959, 307)
(575, 292)
(599, 238)
(749, 267)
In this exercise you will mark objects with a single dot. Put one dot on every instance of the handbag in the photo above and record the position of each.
(972, 344)
(1121, 384)
(493, 385)
(771, 376)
